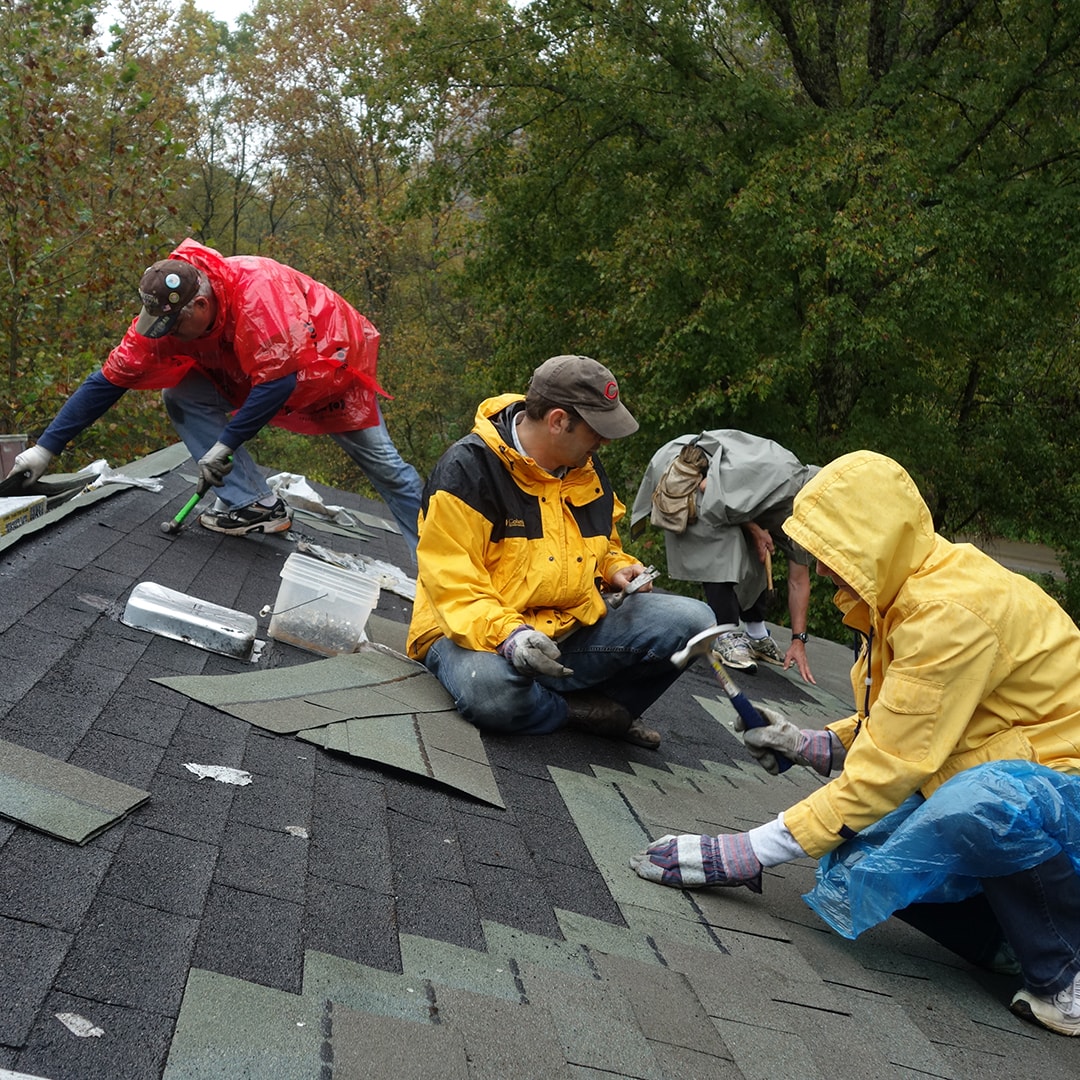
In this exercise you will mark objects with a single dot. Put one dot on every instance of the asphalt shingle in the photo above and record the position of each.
(414, 926)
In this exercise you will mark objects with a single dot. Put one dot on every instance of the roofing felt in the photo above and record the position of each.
(339, 916)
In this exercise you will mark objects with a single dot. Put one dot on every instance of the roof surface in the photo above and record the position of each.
(337, 917)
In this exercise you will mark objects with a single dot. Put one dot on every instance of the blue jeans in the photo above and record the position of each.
(1039, 913)
(200, 413)
(625, 657)
(396, 481)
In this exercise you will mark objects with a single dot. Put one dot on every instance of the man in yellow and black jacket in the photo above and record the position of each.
(518, 555)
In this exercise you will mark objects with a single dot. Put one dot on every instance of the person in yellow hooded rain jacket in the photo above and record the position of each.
(518, 539)
(959, 782)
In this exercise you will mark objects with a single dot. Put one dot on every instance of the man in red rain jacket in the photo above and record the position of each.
(234, 344)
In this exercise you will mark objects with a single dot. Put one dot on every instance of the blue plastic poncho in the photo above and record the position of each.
(988, 821)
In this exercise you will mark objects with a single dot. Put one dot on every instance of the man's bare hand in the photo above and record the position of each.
(621, 578)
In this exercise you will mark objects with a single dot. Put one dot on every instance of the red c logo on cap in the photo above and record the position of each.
(611, 391)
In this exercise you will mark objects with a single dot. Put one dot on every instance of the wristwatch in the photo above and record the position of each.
(803, 637)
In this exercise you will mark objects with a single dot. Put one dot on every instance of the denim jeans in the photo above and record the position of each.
(396, 481)
(1039, 912)
(200, 414)
(625, 657)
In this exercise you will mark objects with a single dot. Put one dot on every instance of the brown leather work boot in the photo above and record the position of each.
(600, 715)
(638, 733)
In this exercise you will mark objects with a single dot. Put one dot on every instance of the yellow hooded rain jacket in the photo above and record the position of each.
(968, 662)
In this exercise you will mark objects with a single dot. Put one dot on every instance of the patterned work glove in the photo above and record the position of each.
(533, 653)
(689, 862)
(215, 464)
(805, 746)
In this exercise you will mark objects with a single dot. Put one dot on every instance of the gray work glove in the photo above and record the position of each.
(216, 464)
(32, 463)
(533, 653)
(806, 746)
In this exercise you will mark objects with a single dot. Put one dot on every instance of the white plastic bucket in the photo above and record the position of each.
(322, 608)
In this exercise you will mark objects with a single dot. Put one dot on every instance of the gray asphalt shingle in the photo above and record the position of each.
(415, 930)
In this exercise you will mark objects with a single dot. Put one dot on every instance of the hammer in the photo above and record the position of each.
(171, 528)
(701, 645)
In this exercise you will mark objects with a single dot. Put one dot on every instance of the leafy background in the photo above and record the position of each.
(835, 225)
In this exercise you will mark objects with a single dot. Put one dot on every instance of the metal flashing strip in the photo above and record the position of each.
(155, 464)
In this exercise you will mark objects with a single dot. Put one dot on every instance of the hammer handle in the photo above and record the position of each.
(743, 706)
(187, 508)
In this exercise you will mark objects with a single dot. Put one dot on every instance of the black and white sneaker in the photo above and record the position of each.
(248, 519)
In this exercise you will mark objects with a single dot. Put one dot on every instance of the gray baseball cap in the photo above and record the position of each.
(586, 386)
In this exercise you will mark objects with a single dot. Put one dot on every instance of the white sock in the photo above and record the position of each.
(756, 630)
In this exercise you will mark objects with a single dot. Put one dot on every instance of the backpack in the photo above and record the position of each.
(674, 499)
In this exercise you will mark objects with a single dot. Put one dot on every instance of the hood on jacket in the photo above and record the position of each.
(863, 517)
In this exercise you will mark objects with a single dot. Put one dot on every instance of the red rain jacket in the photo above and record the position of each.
(271, 321)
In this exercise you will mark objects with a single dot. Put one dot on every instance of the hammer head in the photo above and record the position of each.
(700, 644)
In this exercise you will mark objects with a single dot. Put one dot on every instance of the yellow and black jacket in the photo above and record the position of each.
(504, 542)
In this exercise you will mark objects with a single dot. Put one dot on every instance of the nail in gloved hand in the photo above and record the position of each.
(691, 862)
(32, 462)
(216, 464)
(533, 653)
(805, 746)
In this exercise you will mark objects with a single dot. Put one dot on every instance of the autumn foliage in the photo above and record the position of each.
(837, 225)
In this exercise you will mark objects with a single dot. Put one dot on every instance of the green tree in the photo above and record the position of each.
(838, 225)
(90, 159)
(47, 65)
(312, 78)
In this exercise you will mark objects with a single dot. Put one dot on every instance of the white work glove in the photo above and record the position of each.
(32, 463)
(215, 464)
(533, 653)
(804, 746)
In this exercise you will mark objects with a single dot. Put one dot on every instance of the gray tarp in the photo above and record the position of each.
(749, 479)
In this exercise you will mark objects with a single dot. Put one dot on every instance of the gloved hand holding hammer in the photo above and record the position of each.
(215, 465)
(817, 750)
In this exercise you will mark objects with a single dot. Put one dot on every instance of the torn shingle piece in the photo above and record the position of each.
(285, 717)
(60, 799)
(367, 667)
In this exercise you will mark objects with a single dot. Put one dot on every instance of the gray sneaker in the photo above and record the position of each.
(1060, 1012)
(765, 649)
(733, 651)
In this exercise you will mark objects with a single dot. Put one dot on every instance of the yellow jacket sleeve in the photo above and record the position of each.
(465, 601)
(943, 659)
